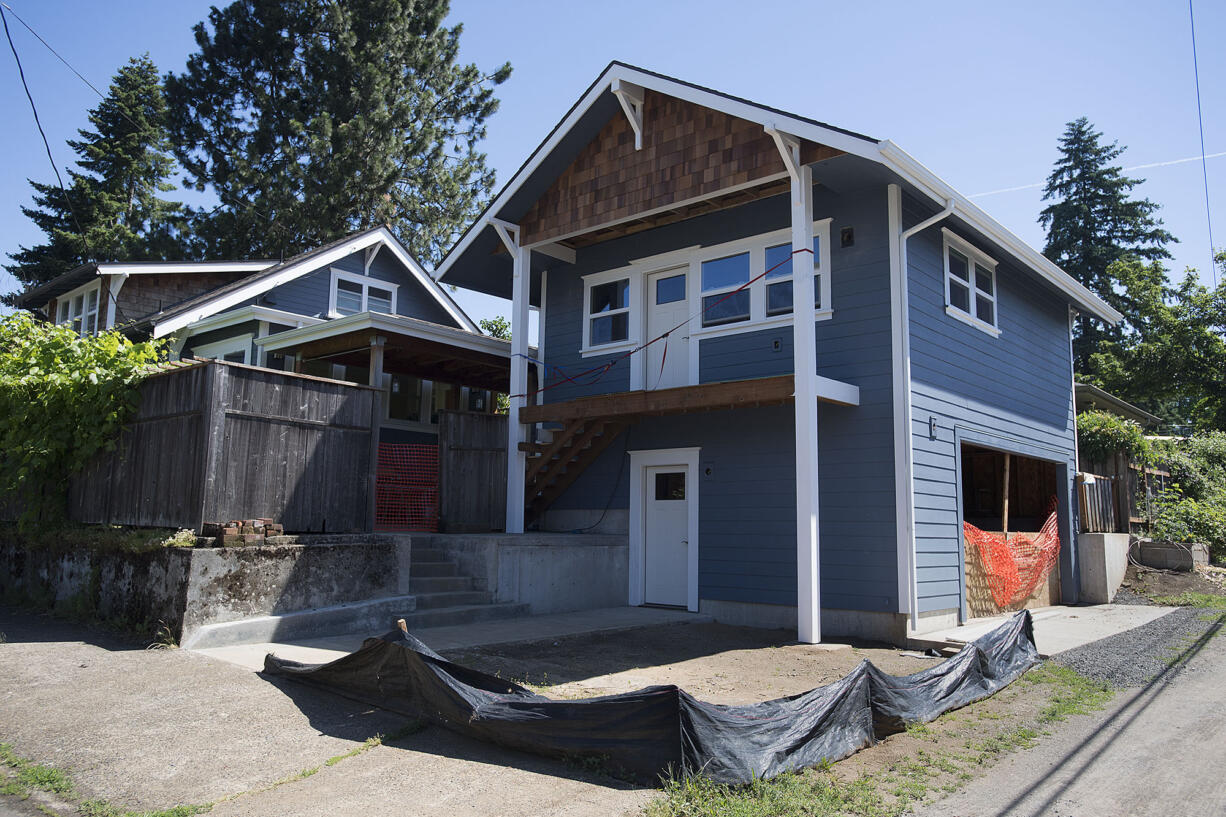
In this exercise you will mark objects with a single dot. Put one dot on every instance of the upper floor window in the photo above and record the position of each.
(723, 299)
(352, 294)
(779, 261)
(970, 284)
(608, 312)
(80, 310)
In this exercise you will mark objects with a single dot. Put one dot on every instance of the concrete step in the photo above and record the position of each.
(370, 617)
(432, 569)
(439, 584)
(464, 614)
(431, 601)
(426, 554)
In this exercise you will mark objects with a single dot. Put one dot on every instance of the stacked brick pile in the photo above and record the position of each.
(241, 532)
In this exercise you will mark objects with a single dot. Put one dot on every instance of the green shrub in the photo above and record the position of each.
(1101, 436)
(63, 398)
(1184, 519)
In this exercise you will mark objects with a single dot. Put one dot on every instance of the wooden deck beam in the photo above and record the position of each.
(764, 391)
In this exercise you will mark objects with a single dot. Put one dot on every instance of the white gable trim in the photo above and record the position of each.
(296, 270)
(885, 153)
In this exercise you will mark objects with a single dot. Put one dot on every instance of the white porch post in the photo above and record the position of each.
(804, 344)
(516, 431)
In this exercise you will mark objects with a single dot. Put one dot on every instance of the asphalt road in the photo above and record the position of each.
(1161, 750)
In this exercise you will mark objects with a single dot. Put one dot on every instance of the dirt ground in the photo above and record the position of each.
(1152, 583)
(737, 665)
(714, 662)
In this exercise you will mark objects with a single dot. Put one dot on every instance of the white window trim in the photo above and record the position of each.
(977, 257)
(634, 322)
(66, 300)
(686, 458)
(219, 349)
(365, 282)
(640, 268)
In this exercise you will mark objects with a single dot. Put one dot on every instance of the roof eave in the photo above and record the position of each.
(923, 179)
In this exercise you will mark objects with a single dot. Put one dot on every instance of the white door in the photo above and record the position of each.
(667, 363)
(665, 535)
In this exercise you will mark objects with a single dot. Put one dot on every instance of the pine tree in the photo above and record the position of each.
(310, 120)
(1092, 223)
(113, 211)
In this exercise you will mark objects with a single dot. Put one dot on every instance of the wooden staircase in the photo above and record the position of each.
(554, 466)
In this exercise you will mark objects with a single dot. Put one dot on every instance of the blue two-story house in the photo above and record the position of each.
(782, 448)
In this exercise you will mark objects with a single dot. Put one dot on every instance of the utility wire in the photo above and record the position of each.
(1200, 120)
(21, 72)
(272, 223)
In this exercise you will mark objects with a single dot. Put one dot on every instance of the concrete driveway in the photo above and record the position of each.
(1160, 750)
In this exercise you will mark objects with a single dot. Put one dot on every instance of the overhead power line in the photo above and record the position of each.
(1167, 163)
(1200, 121)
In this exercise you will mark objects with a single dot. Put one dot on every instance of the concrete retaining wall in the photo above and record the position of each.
(187, 588)
(1171, 555)
(552, 572)
(1104, 559)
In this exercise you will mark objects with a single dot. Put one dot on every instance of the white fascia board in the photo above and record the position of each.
(223, 302)
(733, 107)
(430, 285)
(202, 266)
(902, 163)
(250, 313)
(397, 324)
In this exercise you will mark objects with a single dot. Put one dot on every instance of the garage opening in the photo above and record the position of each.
(1007, 501)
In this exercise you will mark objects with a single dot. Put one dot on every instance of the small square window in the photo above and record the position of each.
(670, 486)
(670, 290)
(609, 312)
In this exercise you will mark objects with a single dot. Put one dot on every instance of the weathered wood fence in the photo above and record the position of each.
(1121, 496)
(217, 441)
(472, 471)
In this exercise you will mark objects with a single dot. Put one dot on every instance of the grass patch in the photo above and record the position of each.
(813, 794)
(1071, 692)
(70, 537)
(940, 768)
(1208, 601)
(28, 776)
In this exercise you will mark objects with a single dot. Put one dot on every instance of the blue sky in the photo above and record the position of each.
(979, 92)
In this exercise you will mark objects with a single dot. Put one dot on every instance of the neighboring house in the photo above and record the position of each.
(360, 308)
(1091, 398)
(933, 341)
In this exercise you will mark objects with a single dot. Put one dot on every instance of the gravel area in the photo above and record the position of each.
(1138, 656)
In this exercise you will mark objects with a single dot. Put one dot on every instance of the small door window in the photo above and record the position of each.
(670, 486)
(670, 290)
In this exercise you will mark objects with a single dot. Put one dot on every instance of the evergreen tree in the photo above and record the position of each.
(1092, 223)
(113, 212)
(1172, 361)
(310, 120)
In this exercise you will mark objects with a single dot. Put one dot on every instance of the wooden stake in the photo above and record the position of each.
(1004, 513)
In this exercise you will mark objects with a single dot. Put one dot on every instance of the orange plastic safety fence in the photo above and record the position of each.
(406, 487)
(1017, 567)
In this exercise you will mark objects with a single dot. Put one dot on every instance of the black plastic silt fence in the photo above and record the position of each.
(660, 729)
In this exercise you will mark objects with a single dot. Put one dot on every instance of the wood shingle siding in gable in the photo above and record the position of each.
(688, 152)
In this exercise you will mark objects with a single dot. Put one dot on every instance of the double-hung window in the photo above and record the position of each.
(970, 284)
(80, 311)
(779, 265)
(608, 312)
(352, 294)
(725, 299)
